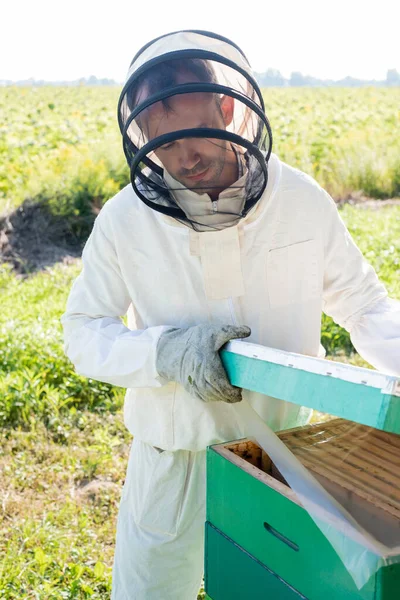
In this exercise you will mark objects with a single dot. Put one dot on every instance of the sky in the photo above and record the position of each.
(66, 40)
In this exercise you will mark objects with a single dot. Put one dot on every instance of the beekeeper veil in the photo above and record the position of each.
(194, 129)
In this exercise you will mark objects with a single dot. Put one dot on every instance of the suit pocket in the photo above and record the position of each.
(157, 488)
(293, 275)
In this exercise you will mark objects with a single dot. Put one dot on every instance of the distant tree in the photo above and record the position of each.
(275, 78)
(92, 80)
(297, 79)
(349, 82)
(271, 78)
(392, 77)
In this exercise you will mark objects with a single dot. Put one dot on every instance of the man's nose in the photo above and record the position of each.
(189, 155)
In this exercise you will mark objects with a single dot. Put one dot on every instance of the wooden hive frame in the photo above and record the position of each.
(347, 462)
(362, 460)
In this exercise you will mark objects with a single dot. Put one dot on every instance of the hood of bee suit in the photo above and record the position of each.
(193, 94)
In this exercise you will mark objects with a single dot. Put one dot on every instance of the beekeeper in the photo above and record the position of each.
(214, 239)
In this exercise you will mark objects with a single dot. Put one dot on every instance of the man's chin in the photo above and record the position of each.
(203, 186)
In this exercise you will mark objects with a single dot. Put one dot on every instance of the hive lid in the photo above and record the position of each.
(362, 395)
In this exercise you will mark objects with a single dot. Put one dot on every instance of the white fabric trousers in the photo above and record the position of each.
(160, 528)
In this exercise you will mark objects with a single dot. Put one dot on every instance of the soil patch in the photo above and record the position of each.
(32, 238)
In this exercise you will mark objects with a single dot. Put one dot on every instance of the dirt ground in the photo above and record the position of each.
(31, 238)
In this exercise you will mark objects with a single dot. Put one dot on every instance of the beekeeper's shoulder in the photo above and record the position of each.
(300, 191)
(121, 212)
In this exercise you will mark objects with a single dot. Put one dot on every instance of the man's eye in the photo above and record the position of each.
(167, 146)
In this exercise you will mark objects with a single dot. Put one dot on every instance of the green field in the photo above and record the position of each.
(64, 144)
(64, 447)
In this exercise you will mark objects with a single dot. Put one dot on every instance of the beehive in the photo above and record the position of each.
(260, 541)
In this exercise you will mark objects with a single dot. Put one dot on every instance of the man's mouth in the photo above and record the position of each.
(197, 177)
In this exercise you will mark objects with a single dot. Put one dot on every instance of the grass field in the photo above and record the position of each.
(63, 144)
(64, 447)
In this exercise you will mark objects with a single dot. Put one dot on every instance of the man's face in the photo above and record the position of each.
(199, 163)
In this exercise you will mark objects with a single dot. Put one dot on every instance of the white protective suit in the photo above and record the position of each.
(276, 270)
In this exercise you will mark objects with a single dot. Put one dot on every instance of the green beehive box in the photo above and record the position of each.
(260, 542)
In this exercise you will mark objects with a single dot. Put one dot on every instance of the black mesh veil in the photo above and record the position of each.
(192, 121)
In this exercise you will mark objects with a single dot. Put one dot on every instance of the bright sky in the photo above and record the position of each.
(67, 40)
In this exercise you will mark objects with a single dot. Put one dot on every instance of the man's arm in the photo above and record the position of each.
(356, 299)
(96, 340)
(376, 336)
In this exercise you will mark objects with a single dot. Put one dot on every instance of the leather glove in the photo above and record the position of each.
(190, 357)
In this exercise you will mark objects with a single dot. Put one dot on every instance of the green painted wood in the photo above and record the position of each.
(233, 574)
(388, 583)
(390, 418)
(239, 505)
(352, 401)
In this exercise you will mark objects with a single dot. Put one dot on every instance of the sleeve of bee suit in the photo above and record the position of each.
(376, 336)
(96, 340)
(355, 298)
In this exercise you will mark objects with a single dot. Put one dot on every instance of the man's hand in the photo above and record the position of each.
(191, 357)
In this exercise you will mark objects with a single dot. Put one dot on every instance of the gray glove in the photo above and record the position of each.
(190, 357)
